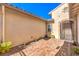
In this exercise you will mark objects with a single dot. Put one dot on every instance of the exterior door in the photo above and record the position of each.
(66, 32)
(62, 31)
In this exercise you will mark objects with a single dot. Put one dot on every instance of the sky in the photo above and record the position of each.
(38, 9)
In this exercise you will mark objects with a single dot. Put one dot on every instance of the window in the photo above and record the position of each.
(59, 14)
(65, 9)
(49, 28)
(0, 6)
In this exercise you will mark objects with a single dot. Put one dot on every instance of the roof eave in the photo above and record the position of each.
(7, 5)
(55, 8)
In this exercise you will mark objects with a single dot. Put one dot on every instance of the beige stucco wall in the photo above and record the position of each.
(21, 28)
(58, 15)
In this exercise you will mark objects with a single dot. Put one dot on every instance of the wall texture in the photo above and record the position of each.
(59, 15)
(21, 28)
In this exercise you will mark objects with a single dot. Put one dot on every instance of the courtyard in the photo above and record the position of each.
(42, 47)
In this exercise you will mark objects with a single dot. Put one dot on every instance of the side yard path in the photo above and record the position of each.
(51, 47)
(67, 50)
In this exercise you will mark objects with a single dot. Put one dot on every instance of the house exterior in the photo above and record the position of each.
(65, 24)
(20, 27)
(60, 16)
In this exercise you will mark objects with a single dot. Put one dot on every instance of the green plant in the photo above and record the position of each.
(76, 50)
(52, 36)
(5, 47)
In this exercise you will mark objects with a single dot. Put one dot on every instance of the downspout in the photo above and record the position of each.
(46, 34)
(3, 18)
(46, 29)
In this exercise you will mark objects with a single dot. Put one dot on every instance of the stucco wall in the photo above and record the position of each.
(59, 15)
(21, 28)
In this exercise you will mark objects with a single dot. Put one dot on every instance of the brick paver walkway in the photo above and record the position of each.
(51, 47)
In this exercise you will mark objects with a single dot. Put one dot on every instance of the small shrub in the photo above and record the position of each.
(5, 47)
(52, 36)
(76, 50)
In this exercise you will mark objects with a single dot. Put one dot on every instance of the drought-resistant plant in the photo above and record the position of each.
(5, 47)
(76, 50)
(52, 36)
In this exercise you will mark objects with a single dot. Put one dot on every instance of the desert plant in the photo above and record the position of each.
(76, 50)
(5, 47)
